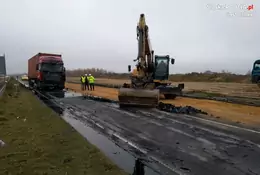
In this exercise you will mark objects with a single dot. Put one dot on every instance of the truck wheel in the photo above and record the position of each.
(169, 96)
(30, 83)
(39, 87)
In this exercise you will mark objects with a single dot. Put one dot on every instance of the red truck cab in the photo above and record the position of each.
(46, 72)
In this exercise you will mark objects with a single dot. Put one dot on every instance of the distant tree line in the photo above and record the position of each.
(207, 76)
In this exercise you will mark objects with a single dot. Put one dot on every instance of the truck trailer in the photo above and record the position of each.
(46, 72)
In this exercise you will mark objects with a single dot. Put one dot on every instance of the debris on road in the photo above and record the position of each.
(97, 98)
(180, 109)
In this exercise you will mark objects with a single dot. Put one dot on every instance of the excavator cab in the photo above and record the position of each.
(161, 77)
(162, 64)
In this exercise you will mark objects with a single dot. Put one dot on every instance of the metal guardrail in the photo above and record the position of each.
(2, 89)
(22, 83)
(3, 81)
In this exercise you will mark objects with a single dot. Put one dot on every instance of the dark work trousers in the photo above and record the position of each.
(83, 87)
(92, 86)
(87, 85)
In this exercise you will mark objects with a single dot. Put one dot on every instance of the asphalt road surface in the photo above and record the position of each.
(182, 143)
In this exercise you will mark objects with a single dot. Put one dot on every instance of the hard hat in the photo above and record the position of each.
(86, 74)
(89, 74)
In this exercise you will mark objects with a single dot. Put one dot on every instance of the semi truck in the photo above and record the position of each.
(46, 72)
(255, 74)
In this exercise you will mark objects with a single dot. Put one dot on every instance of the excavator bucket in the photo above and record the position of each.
(138, 97)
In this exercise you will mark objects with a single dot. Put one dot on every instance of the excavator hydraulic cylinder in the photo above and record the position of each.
(138, 97)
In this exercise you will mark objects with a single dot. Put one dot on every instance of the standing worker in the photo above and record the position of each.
(91, 81)
(83, 80)
(86, 82)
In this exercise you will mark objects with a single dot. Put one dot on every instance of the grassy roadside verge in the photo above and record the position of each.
(40, 142)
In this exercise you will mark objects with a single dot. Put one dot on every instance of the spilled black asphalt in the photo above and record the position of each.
(183, 144)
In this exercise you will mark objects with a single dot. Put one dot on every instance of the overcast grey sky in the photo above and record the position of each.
(102, 33)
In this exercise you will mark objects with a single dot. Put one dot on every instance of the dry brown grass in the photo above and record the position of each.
(230, 89)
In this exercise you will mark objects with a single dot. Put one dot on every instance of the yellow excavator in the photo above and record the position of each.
(150, 77)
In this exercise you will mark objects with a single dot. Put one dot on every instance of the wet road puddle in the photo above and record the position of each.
(118, 155)
(72, 94)
(64, 94)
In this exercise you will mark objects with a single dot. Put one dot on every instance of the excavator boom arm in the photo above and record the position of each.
(141, 91)
(145, 53)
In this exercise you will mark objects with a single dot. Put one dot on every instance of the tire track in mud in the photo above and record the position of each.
(185, 145)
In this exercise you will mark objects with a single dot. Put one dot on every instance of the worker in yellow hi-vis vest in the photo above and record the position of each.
(91, 81)
(86, 82)
(83, 80)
